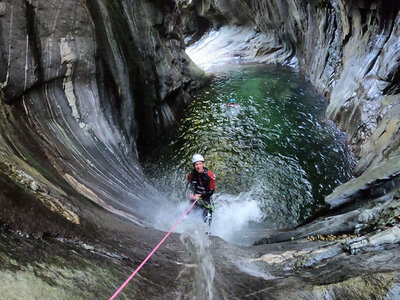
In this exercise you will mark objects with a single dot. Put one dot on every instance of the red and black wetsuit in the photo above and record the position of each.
(230, 104)
(202, 183)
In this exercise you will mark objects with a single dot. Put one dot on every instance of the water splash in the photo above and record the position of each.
(198, 245)
(275, 158)
(233, 215)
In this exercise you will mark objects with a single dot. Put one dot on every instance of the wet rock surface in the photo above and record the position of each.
(83, 84)
(345, 57)
(61, 268)
(349, 50)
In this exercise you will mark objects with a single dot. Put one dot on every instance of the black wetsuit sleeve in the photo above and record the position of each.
(207, 194)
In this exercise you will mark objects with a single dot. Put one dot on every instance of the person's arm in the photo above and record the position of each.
(191, 194)
(211, 190)
(189, 179)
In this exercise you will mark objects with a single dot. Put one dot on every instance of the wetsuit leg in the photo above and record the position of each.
(207, 216)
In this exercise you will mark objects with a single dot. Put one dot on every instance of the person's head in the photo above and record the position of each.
(232, 100)
(198, 162)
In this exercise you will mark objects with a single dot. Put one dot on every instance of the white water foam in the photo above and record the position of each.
(231, 218)
(198, 246)
(233, 215)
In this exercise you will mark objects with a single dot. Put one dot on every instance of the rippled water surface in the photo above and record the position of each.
(275, 156)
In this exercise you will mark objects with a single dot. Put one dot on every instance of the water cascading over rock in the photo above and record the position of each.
(86, 85)
(349, 50)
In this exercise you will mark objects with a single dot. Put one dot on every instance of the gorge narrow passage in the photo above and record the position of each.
(88, 86)
(275, 155)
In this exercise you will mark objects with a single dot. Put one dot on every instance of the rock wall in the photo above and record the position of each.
(88, 82)
(348, 49)
(82, 84)
(82, 81)
(350, 52)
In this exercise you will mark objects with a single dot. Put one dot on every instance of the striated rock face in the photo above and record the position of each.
(87, 82)
(350, 52)
(95, 79)
(82, 83)
(348, 49)
(85, 85)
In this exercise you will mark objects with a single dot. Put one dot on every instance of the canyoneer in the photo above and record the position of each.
(232, 104)
(201, 184)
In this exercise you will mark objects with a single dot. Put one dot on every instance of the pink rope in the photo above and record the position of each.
(151, 253)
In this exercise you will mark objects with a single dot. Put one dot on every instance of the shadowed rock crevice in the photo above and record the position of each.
(34, 40)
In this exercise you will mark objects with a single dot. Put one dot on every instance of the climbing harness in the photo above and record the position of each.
(151, 253)
(205, 205)
(207, 212)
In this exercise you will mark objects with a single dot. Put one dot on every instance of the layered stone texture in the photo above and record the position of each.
(348, 49)
(350, 52)
(84, 83)
(87, 81)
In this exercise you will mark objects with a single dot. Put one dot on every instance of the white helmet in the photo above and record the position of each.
(197, 157)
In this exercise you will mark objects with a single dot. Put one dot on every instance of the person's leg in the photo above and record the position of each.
(207, 216)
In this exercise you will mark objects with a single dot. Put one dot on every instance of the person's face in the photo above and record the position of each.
(199, 166)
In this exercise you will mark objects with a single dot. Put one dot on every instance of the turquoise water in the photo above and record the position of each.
(276, 150)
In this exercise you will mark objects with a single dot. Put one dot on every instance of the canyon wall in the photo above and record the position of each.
(83, 83)
(349, 50)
